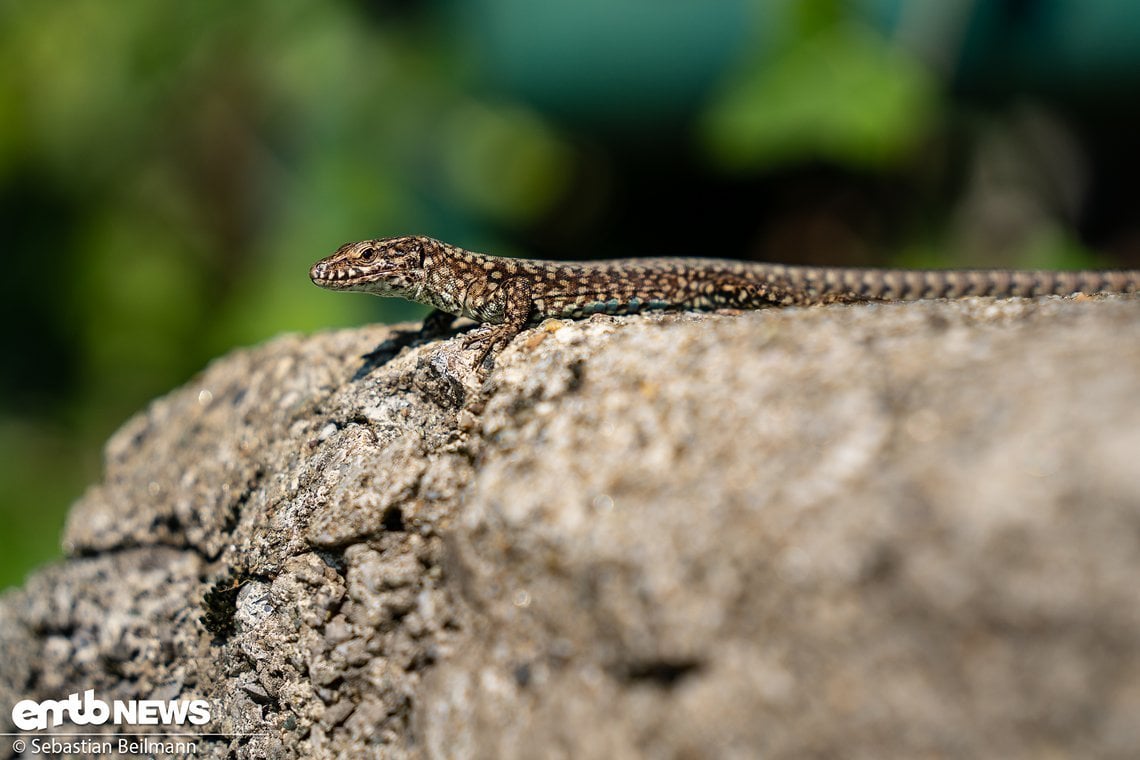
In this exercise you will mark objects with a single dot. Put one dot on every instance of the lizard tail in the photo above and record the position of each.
(911, 284)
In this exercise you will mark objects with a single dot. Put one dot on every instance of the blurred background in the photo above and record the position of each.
(168, 171)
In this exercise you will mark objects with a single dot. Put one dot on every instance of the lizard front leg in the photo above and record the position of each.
(517, 305)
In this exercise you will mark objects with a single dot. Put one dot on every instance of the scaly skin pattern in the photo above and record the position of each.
(506, 294)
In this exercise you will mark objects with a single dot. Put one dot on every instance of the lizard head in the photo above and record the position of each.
(389, 267)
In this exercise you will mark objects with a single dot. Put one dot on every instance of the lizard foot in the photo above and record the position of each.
(489, 341)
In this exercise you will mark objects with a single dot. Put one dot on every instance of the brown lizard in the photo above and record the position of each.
(505, 294)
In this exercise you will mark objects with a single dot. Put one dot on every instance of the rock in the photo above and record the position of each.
(867, 531)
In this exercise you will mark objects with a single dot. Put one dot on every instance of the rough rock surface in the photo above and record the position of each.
(860, 531)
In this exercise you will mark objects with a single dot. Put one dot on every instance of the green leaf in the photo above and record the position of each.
(842, 94)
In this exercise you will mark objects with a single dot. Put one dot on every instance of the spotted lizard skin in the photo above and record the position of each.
(507, 294)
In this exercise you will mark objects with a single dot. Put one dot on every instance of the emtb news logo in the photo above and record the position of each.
(30, 715)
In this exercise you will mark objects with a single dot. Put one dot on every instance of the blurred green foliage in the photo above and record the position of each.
(838, 92)
(168, 172)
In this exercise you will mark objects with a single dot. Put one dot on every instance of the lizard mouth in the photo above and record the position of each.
(340, 277)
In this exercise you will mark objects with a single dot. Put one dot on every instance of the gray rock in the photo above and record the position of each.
(866, 531)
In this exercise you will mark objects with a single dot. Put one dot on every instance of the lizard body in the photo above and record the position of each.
(505, 295)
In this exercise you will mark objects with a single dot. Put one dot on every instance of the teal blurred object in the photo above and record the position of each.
(766, 84)
(1059, 47)
(610, 64)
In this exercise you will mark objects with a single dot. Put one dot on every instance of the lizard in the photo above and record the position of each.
(506, 294)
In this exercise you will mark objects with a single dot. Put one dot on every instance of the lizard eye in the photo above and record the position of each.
(367, 255)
